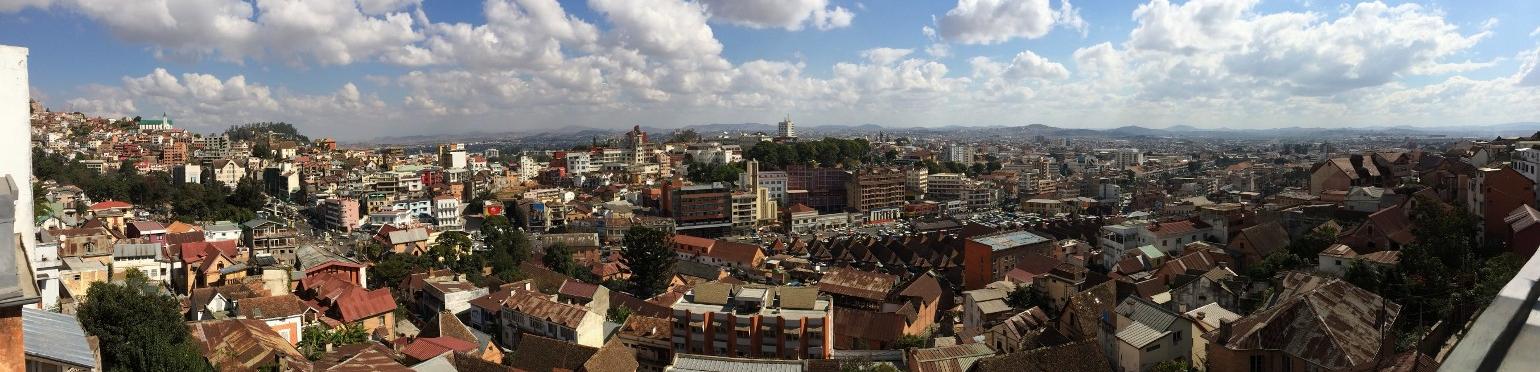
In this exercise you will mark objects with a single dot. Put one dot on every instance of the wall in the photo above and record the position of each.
(16, 145)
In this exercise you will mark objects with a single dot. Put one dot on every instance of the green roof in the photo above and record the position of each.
(1151, 252)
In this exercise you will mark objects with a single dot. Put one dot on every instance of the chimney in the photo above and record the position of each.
(1224, 330)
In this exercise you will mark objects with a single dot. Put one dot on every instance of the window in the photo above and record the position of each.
(1176, 337)
(1152, 348)
(1256, 364)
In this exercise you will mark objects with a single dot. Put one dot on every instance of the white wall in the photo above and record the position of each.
(16, 135)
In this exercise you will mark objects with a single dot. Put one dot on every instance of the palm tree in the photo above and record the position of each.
(40, 206)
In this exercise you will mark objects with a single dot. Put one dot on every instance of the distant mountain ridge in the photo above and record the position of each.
(1035, 129)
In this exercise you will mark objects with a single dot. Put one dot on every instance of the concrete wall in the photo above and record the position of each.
(16, 141)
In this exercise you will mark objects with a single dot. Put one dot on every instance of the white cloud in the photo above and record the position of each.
(791, 15)
(998, 21)
(8, 6)
(330, 32)
(885, 56)
(1529, 72)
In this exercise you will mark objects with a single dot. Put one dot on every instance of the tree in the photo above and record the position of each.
(618, 314)
(499, 235)
(1275, 263)
(646, 251)
(40, 206)
(1023, 297)
(559, 259)
(906, 342)
(1172, 366)
(140, 329)
(446, 252)
(1314, 242)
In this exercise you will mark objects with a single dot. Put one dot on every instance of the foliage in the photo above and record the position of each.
(683, 136)
(906, 342)
(40, 207)
(646, 251)
(140, 329)
(1495, 273)
(1274, 264)
(153, 192)
(316, 338)
(825, 152)
(1024, 297)
(949, 167)
(1172, 366)
(618, 314)
(258, 131)
(508, 244)
(1314, 242)
(701, 172)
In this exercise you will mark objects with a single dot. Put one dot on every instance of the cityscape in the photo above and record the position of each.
(542, 185)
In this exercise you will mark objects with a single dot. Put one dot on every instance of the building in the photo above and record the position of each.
(1523, 233)
(1206, 319)
(285, 314)
(55, 342)
(786, 130)
(1255, 243)
(1171, 236)
(1309, 310)
(17, 289)
(340, 214)
(983, 308)
(876, 192)
(452, 156)
(649, 336)
(267, 237)
(819, 187)
(226, 172)
(987, 258)
(701, 210)
(1341, 174)
(758, 321)
(1144, 334)
(340, 299)
(446, 213)
(945, 186)
(959, 153)
(774, 182)
(1494, 193)
(526, 312)
(947, 358)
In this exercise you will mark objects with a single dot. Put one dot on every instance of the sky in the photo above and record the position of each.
(357, 70)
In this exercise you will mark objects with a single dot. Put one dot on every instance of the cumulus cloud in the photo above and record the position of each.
(331, 32)
(532, 64)
(792, 15)
(998, 21)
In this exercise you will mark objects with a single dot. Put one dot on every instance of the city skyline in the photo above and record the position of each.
(366, 69)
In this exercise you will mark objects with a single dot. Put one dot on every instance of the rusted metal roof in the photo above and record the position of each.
(1328, 323)
(858, 283)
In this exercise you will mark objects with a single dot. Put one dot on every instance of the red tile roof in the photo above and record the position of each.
(1177, 227)
(857, 283)
(110, 204)
(429, 347)
(344, 299)
(739, 253)
(195, 251)
(539, 306)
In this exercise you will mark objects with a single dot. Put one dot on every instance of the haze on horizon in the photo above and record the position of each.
(362, 69)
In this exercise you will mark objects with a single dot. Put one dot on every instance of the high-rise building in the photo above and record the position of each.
(959, 153)
(877, 192)
(700, 210)
(754, 321)
(786, 129)
(452, 155)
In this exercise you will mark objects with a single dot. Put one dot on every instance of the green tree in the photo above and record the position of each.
(1314, 242)
(559, 259)
(40, 206)
(1023, 297)
(508, 244)
(1172, 366)
(618, 314)
(140, 329)
(646, 251)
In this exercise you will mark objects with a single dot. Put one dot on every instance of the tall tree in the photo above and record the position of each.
(646, 251)
(140, 328)
(558, 258)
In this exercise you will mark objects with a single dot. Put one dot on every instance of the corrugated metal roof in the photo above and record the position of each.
(1149, 314)
(1139, 334)
(136, 250)
(692, 363)
(1009, 240)
(56, 337)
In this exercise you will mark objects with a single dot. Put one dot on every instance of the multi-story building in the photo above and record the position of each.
(1494, 193)
(876, 192)
(755, 321)
(818, 187)
(775, 183)
(786, 129)
(187, 173)
(452, 156)
(649, 337)
(987, 258)
(917, 182)
(446, 213)
(535, 313)
(340, 214)
(745, 211)
(226, 172)
(700, 210)
(1124, 157)
(264, 236)
(945, 186)
(959, 153)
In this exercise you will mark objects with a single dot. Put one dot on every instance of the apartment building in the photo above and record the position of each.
(757, 321)
(988, 257)
(876, 192)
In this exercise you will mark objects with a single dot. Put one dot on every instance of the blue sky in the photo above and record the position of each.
(357, 70)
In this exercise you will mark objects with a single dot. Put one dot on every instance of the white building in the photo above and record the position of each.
(579, 163)
(1123, 157)
(1146, 334)
(16, 214)
(775, 183)
(446, 213)
(786, 128)
(959, 153)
